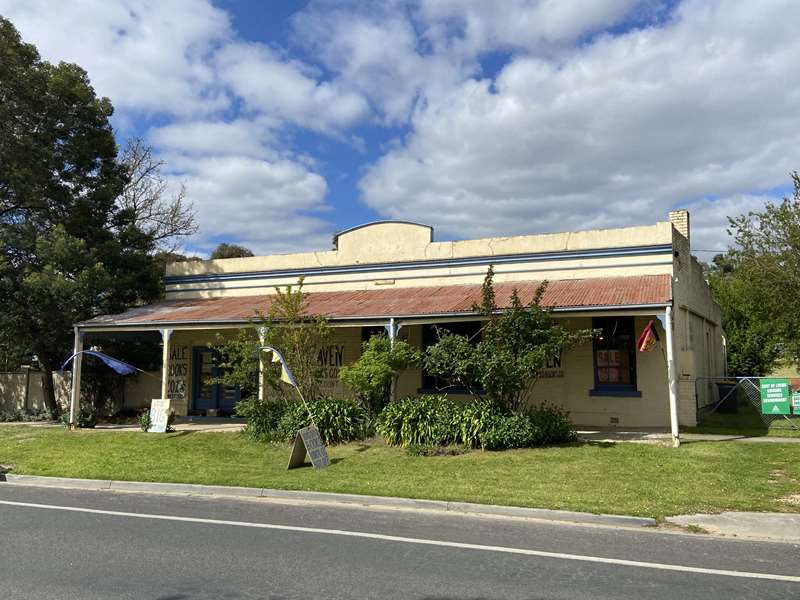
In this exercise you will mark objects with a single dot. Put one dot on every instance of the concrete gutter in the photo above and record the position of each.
(326, 498)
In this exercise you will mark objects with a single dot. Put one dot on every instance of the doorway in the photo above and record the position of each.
(206, 393)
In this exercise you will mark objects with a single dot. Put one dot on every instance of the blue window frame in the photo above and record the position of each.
(614, 357)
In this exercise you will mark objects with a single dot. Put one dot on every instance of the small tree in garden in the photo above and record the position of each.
(297, 335)
(375, 373)
(515, 346)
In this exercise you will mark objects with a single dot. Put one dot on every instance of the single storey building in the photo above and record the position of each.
(394, 276)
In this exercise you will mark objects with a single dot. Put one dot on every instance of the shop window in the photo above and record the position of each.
(615, 357)
(430, 335)
(369, 331)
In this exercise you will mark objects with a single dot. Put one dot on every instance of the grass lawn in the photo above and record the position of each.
(633, 479)
(747, 422)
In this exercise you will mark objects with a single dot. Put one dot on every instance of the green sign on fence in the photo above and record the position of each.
(775, 397)
(796, 403)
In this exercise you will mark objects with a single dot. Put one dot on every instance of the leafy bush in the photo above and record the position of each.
(426, 423)
(474, 419)
(375, 373)
(428, 420)
(510, 431)
(26, 415)
(85, 419)
(514, 346)
(263, 418)
(144, 420)
(338, 420)
(540, 426)
(553, 424)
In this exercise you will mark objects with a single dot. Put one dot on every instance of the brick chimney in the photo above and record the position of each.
(680, 221)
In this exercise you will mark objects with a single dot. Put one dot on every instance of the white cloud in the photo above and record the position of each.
(578, 129)
(238, 137)
(287, 89)
(146, 55)
(709, 220)
(616, 132)
(377, 52)
(263, 204)
(402, 55)
(532, 25)
(181, 62)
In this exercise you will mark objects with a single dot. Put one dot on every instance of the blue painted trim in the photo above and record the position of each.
(616, 393)
(423, 264)
(481, 273)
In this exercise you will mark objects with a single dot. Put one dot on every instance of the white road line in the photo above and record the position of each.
(422, 541)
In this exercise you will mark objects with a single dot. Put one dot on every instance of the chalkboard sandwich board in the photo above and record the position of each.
(308, 441)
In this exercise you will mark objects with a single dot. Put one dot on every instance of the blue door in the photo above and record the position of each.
(207, 394)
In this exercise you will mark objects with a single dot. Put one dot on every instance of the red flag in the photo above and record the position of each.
(647, 341)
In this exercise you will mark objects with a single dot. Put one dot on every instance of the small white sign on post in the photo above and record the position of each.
(159, 414)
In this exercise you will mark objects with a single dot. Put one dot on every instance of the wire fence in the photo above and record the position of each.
(736, 402)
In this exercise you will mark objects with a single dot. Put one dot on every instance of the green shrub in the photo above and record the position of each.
(144, 420)
(375, 373)
(540, 426)
(262, 417)
(85, 419)
(28, 415)
(474, 419)
(510, 431)
(423, 425)
(553, 424)
(425, 420)
(338, 420)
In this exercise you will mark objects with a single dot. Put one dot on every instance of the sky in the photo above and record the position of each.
(290, 120)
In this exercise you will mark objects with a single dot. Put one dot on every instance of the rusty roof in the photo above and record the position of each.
(565, 294)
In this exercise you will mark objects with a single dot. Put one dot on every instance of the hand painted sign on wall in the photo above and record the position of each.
(178, 372)
(774, 396)
(554, 367)
(330, 360)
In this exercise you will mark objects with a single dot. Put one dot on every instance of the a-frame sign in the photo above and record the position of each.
(308, 441)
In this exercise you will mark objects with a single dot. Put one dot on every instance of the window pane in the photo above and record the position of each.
(615, 352)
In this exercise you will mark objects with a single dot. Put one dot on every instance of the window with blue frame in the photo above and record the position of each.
(615, 357)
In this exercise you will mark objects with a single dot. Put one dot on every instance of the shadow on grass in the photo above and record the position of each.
(176, 434)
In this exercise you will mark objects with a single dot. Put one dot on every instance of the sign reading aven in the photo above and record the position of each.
(309, 441)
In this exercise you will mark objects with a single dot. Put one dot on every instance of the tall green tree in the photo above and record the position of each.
(224, 250)
(757, 284)
(514, 346)
(69, 251)
(287, 326)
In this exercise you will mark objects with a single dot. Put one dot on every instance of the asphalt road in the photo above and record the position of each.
(107, 545)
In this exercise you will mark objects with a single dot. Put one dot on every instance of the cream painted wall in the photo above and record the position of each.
(12, 391)
(387, 243)
(392, 242)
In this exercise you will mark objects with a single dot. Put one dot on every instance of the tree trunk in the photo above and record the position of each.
(48, 389)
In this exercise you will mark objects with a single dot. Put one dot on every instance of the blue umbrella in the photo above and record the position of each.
(117, 365)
